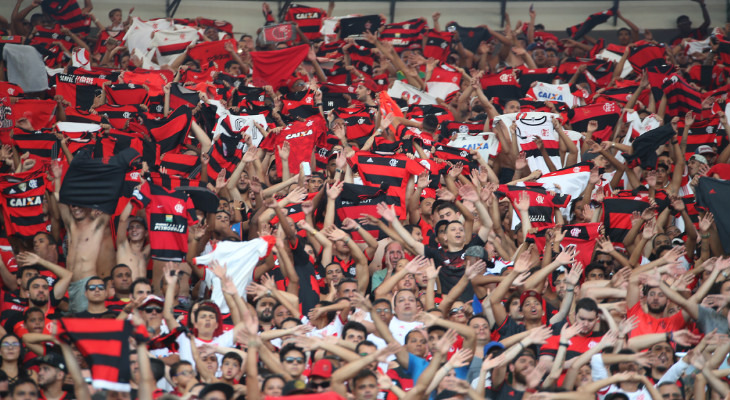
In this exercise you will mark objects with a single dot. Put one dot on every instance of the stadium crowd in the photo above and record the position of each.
(339, 207)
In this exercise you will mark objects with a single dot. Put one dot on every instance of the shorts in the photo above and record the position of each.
(77, 296)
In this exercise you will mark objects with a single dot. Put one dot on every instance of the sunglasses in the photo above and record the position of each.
(150, 310)
(298, 360)
(323, 385)
(10, 344)
(382, 310)
(96, 287)
(456, 310)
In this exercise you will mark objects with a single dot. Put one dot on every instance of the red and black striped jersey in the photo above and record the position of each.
(451, 128)
(123, 94)
(502, 85)
(154, 79)
(707, 76)
(181, 96)
(104, 36)
(404, 35)
(617, 213)
(376, 170)
(681, 97)
(356, 200)
(362, 58)
(179, 164)
(309, 19)
(22, 202)
(226, 153)
(119, 117)
(40, 113)
(358, 118)
(69, 14)
(41, 143)
(438, 44)
(470, 37)
(46, 37)
(80, 91)
(169, 213)
(455, 155)
(299, 104)
(170, 132)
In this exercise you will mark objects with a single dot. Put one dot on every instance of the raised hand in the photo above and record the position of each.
(334, 190)
(523, 201)
(387, 212)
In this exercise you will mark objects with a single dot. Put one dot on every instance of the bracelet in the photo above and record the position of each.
(705, 236)
(571, 290)
(522, 346)
(268, 293)
(318, 105)
(669, 336)
(564, 344)
(338, 170)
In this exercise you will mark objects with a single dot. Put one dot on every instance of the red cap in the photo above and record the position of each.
(322, 369)
(530, 293)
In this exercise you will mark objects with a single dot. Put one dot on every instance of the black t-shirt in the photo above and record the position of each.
(504, 392)
(308, 285)
(453, 264)
(87, 314)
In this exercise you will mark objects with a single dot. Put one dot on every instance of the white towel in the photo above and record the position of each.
(25, 67)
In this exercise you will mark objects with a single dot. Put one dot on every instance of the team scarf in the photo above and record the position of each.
(578, 31)
(104, 343)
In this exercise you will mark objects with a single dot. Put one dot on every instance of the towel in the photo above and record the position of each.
(25, 67)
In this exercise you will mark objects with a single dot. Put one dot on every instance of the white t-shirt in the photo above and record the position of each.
(400, 329)
(224, 340)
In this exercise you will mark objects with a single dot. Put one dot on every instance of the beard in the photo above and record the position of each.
(266, 316)
(656, 310)
(520, 378)
(38, 302)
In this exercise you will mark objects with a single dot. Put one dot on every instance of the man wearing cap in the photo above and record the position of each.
(131, 247)
(319, 378)
(51, 373)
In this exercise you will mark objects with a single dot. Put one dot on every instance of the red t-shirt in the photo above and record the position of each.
(648, 324)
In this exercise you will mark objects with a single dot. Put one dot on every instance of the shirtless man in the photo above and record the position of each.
(85, 228)
(131, 247)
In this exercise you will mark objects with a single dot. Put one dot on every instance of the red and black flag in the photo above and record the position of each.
(702, 133)
(104, 343)
(681, 96)
(645, 54)
(542, 203)
(209, 52)
(358, 199)
(182, 96)
(617, 215)
(309, 19)
(299, 104)
(583, 236)
(470, 38)
(501, 85)
(712, 194)
(404, 35)
(438, 44)
(275, 67)
(606, 114)
(69, 14)
(528, 76)
(580, 30)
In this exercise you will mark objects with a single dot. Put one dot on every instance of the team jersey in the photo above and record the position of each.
(169, 213)
(542, 203)
(301, 135)
(309, 19)
(22, 202)
(393, 171)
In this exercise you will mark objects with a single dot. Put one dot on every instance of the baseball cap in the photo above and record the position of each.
(152, 299)
(530, 293)
(475, 251)
(322, 368)
(51, 358)
(295, 387)
(704, 149)
(699, 158)
(491, 346)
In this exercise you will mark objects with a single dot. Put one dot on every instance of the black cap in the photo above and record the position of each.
(212, 387)
(295, 387)
(51, 358)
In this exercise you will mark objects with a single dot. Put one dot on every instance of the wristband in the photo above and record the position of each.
(564, 344)
(522, 346)
(705, 236)
(318, 105)
(338, 170)
(571, 290)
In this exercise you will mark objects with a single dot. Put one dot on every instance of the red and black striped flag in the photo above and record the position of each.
(404, 35)
(681, 97)
(104, 343)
